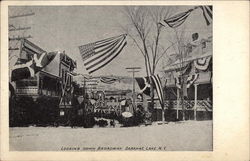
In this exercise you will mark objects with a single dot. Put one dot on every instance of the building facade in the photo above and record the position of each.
(46, 91)
(192, 79)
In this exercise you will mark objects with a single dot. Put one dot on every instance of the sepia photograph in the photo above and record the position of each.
(124, 80)
(110, 78)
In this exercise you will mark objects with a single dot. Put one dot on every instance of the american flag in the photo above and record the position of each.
(98, 54)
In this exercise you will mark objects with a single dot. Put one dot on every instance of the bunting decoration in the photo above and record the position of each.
(42, 60)
(108, 80)
(24, 69)
(202, 63)
(177, 20)
(143, 83)
(207, 13)
(98, 54)
(158, 85)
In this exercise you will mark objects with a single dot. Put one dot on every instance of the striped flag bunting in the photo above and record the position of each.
(108, 80)
(143, 83)
(207, 13)
(176, 20)
(158, 85)
(98, 54)
(24, 69)
(42, 60)
(202, 63)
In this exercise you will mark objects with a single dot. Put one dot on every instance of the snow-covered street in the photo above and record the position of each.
(188, 136)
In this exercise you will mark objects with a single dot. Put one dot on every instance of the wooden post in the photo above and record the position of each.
(163, 106)
(163, 113)
(177, 102)
(195, 101)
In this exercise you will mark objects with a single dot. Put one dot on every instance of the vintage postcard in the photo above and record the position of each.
(102, 80)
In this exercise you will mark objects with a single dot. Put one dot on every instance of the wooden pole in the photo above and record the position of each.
(177, 103)
(163, 114)
(195, 101)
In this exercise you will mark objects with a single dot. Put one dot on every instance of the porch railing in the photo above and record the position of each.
(27, 91)
(202, 105)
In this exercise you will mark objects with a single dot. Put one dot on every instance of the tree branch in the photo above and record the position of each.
(161, 55)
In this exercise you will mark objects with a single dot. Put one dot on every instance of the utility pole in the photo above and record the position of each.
(133, 70)
(17, 30)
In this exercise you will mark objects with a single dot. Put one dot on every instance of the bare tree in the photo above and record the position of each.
(146, 32)
(181, 52)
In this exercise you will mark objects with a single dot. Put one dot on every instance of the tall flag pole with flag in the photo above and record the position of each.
(98, 54)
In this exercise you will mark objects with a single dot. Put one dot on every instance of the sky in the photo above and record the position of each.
(64, 28)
